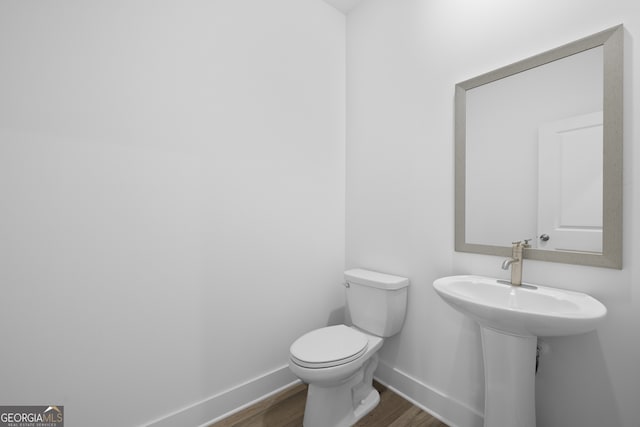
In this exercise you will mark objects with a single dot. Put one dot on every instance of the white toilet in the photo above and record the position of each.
(338, 361)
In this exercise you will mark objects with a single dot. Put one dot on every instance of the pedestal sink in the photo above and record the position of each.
(511, 319)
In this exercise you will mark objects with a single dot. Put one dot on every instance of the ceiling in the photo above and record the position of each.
(343, 6)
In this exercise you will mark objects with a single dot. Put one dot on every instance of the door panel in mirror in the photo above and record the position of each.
(570, 184)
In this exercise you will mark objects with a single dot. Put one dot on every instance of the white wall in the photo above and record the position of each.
(171, 197)
(403, 60)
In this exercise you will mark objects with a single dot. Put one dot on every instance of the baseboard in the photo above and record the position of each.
(221, 405)
(447, 409)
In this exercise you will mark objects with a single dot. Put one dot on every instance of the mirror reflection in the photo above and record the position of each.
(534, 156)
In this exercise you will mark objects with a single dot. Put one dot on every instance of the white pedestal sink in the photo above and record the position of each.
(511, 319)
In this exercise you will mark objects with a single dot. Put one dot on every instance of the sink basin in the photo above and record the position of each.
(511, 319)
(521, 310)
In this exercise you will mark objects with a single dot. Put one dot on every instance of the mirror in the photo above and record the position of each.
(539, 155)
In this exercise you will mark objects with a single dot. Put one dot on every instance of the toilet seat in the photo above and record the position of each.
(327, 347)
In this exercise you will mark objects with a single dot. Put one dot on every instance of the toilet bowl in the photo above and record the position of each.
(338, 362)
(340, 387)
(312, 363)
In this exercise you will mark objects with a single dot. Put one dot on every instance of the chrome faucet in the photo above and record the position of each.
(516, 262)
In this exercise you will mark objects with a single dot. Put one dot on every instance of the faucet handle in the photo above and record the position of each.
(524, 244)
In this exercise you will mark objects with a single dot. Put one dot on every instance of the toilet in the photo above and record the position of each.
(338, 362)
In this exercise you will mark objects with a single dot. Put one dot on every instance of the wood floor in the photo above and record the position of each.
(286, 409)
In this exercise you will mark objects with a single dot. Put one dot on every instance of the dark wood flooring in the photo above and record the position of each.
(286, 409)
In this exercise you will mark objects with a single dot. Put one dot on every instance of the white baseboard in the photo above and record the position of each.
(223, 404)
(201, 414)
(447, 409)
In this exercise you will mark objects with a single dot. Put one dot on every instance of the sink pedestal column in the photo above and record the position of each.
(509, 375)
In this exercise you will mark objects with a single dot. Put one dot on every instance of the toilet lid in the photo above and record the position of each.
(330, 346)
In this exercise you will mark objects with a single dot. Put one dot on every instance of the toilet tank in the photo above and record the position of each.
(377, 301)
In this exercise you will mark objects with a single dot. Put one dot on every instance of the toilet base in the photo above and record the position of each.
(366, 405)
(342, 405)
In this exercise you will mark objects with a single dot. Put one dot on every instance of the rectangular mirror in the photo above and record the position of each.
(539, 155)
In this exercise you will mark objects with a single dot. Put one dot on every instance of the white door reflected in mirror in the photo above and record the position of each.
(570, 184)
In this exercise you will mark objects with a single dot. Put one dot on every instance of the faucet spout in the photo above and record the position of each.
(507, 262)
